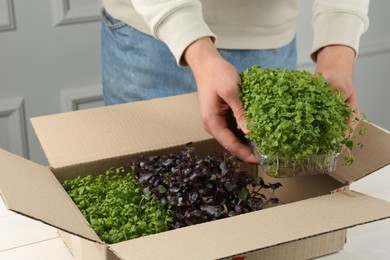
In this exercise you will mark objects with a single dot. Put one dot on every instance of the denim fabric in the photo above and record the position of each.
(136, 66)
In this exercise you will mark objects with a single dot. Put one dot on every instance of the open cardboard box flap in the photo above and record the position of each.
(33, 190)
(374, 155)
(96, 135)
(90, 141)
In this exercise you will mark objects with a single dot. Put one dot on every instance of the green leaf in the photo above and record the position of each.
(161, 189)
(113, 203)
(291, 114)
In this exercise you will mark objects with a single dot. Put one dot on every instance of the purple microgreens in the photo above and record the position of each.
(200, 189)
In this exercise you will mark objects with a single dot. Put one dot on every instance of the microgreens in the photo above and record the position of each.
(116, 208)
(159, 193)
(200, 189)
(294, 115)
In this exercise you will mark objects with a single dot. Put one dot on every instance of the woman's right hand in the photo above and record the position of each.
(218, 85)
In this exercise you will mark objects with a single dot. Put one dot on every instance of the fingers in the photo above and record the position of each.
(217, 127)
(353, 103)
(214, 112)
(335, 62)
(238, 112)
(218, 86)
(348, 89)
(231, 97)
(225, 135)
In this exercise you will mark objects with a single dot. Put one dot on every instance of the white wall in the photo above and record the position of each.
(49, 55)
(50, 63)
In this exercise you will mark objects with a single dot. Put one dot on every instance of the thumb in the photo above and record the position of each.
(239, 114)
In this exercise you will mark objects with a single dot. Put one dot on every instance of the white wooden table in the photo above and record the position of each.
(24, 238)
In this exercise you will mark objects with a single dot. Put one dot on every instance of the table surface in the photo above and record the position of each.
(25, 238)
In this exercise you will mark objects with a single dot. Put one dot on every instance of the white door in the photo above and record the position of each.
(49, 63)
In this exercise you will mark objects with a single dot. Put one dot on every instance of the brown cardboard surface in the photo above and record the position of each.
(302, 249)
(299, 188)
(374, 155)
(100, 166)
(83, 249)
(32, 190)
(258, 230)
(91, 135)
(297, 250)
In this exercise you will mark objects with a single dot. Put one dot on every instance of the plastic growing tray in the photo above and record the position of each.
(279, 167)
(312, 165)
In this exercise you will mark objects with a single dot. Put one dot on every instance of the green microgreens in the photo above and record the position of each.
(159, 193)
(294, 115)
(115, 206)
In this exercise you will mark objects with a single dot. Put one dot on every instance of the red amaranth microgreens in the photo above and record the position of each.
(201, 189)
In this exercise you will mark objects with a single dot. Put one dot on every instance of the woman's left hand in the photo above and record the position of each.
(335, 62)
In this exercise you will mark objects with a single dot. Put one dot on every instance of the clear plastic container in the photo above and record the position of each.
(278, 167)
(312, 165)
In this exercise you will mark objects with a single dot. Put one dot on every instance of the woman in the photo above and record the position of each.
(161, 48)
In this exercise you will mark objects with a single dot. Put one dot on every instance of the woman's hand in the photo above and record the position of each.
(218, 86)
(335, 62)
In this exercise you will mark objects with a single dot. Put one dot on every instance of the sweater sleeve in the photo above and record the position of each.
(177, 23)
(339, 22)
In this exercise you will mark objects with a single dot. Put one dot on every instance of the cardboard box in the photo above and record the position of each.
(310, 222)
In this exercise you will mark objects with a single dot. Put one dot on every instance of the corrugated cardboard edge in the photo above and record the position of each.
(95, 167)
(260, 230)
(310, 248)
